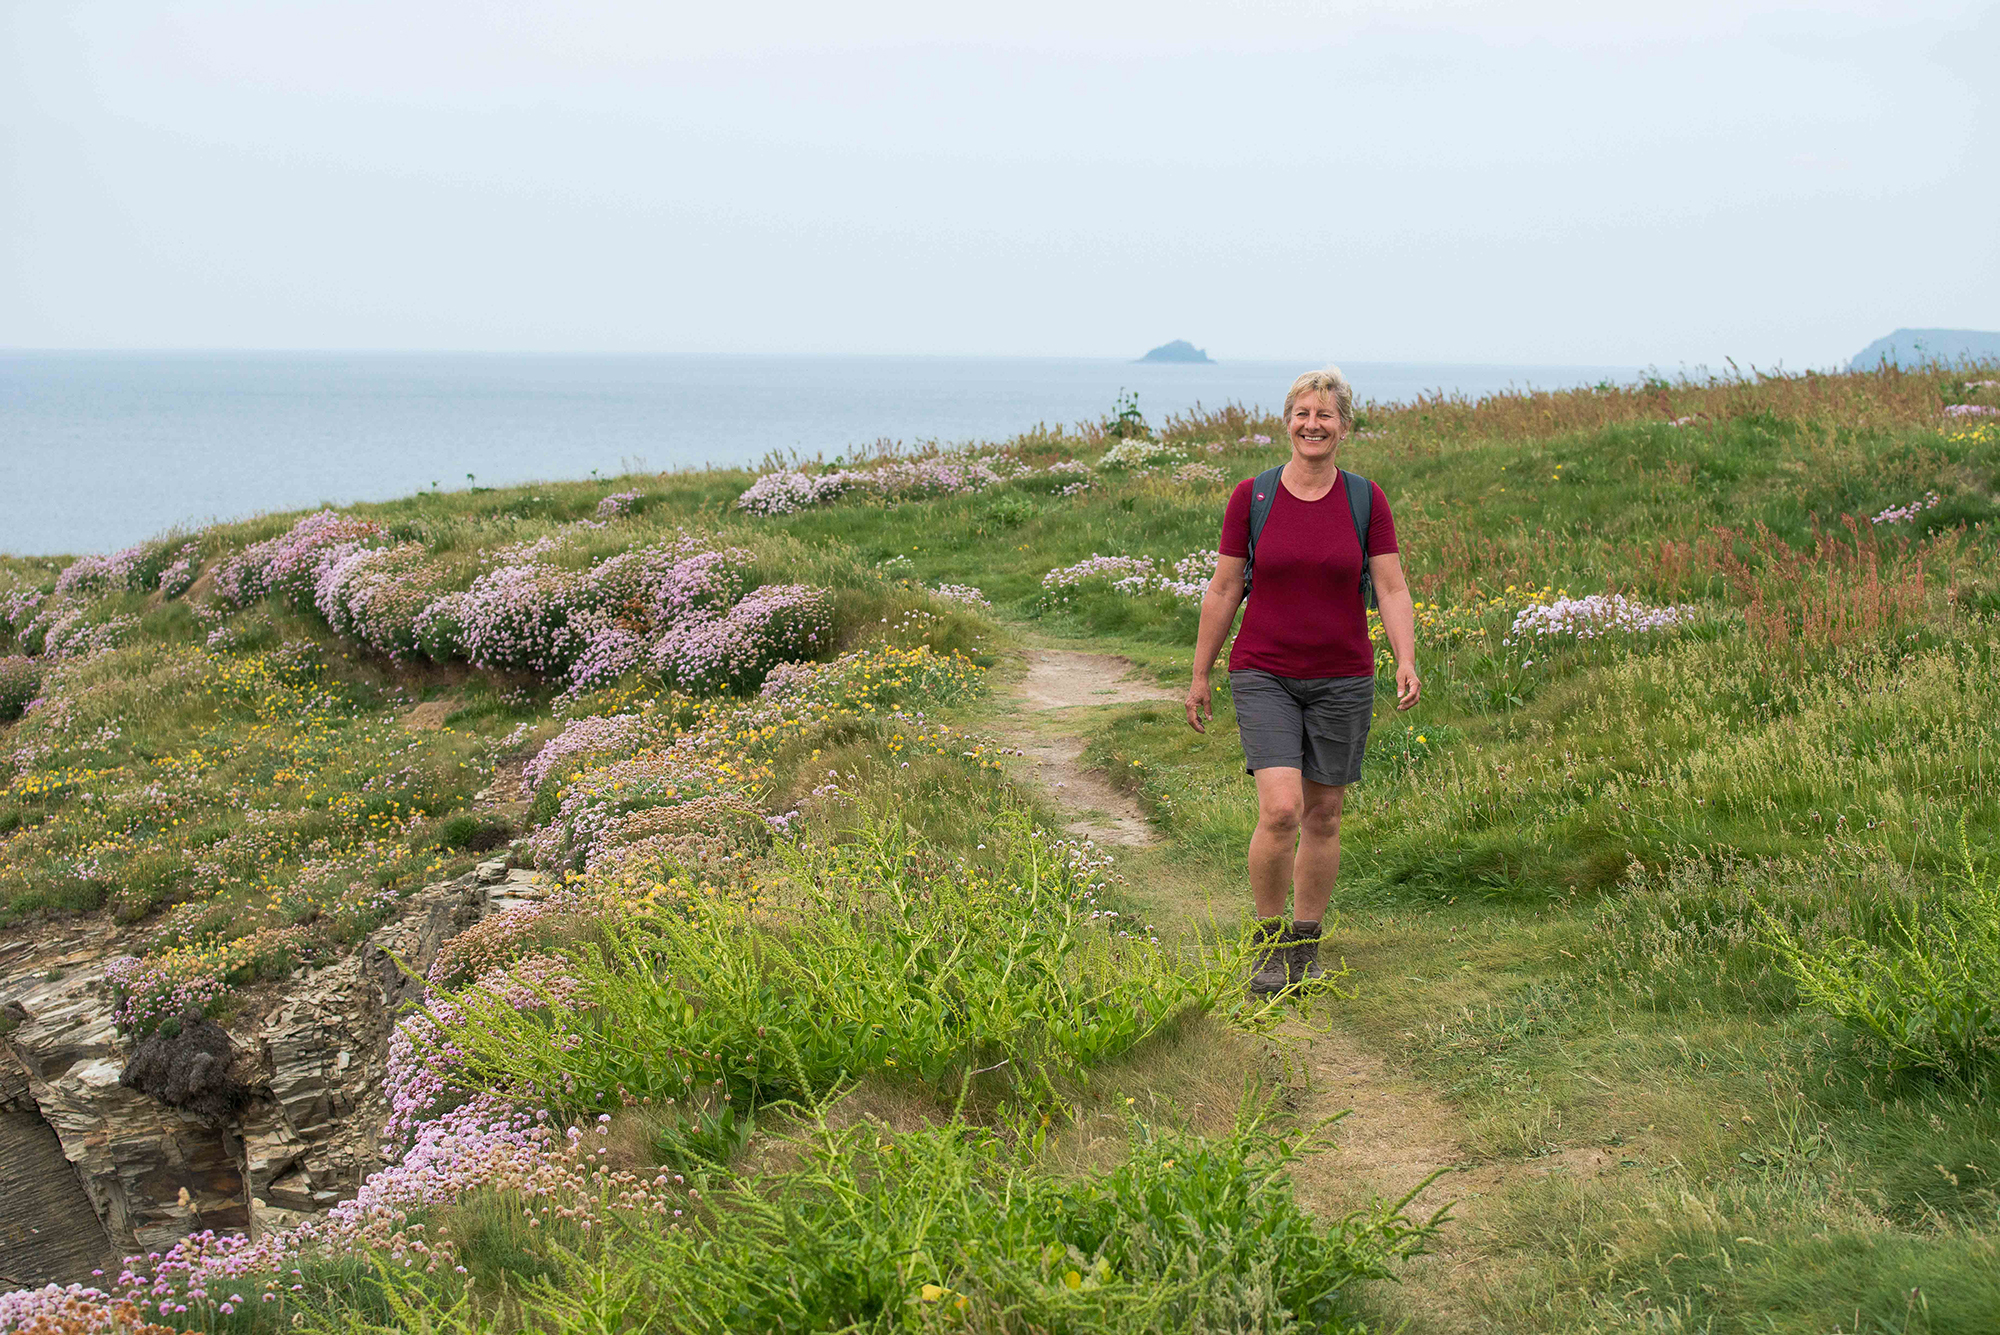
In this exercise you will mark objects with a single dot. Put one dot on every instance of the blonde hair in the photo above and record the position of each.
(1329, 381)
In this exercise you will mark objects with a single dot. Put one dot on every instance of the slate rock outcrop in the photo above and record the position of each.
(109, 1149)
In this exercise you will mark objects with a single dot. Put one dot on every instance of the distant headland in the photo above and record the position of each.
(1180, 350)
(1909, 347)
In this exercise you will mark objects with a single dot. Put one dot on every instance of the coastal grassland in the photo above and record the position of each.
(885, 1047)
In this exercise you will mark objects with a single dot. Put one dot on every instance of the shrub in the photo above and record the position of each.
(376, 594)
(517, 618)
(587, 805)
(776, 623)
(289, 565)
(1927, 997)
(1131, 576)
(1140, 453)
(18, 605)
(786, 492)
(619, 504)
(20, 682)
(599, 735)
(197, 978)
(473, 833)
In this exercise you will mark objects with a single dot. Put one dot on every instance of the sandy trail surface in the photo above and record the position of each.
(1047, 731)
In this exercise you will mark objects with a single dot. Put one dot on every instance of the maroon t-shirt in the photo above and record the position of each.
(1304, 617)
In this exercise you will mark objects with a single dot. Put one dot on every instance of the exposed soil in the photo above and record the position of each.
(1059, 681)
(1066, 679)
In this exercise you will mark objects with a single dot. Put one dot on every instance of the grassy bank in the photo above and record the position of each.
(1683, 865)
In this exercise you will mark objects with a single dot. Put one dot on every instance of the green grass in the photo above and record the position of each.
(1565, 875)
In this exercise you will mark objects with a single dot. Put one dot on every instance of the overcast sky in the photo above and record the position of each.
(1625, 184)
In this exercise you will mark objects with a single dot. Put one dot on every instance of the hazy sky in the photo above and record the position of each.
(1625, 184)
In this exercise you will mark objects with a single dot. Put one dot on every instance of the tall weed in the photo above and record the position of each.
(881, 955)
(1927, 996)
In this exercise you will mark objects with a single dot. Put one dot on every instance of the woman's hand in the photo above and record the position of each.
(1198, 705)
(1409, 687)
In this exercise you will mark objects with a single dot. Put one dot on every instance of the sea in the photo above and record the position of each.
(99, 450)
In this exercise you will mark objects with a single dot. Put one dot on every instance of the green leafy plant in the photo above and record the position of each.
(881, 955)
(955, 1226)
(1928, 995)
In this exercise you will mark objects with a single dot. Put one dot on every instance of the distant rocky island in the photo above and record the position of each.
(1910, 347)
(1180, 350)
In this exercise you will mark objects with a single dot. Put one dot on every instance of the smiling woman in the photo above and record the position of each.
(1302, 672)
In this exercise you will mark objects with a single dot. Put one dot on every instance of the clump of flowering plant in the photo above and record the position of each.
(1593, 616)
(618, 504)
(733, 651)
(198, 976)
(961, 593)
(787, 491)
(520, 618)
(1140, 453)
(1132, 576)
(288, 566)
(1897, 514)
(590, 803)
(376, 594)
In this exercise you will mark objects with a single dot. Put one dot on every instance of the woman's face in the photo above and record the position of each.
(1314, 426)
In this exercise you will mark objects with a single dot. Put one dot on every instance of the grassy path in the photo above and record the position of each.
(1393, 1133)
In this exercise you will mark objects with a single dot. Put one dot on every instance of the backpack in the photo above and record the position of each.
(1360, 504)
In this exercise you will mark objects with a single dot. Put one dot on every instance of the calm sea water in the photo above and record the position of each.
(100, 450)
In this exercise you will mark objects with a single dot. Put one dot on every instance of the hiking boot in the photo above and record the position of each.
(1270, 967)
(1301, 949)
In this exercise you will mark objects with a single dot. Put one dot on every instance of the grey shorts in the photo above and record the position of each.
(1318, 726)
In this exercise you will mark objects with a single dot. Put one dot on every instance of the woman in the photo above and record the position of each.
(1302, 671)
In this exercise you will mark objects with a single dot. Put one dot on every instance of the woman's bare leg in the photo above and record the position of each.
(1317, 862)
(1280, 809)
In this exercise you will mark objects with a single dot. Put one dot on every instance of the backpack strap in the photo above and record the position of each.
(1263, 495)
(1361, 504)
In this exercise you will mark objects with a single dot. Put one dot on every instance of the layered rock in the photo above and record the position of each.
(107, 1170)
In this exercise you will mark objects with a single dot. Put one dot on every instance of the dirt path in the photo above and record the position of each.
(1394, 1134)
(1047, 733)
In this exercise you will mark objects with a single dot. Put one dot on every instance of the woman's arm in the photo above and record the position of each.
(1218, 613)
(1399, 623)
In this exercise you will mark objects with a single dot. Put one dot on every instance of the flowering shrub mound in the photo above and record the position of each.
(517, 618)
(590, 626)
(288, 566)
(1139, 453)
(1595, 615)
(18, 605)
(961, 593)
(872, 679)
(733, 651)
(196, 977)
(783, 493)
(1199, 475)
(162, 565)
(1132, 576)
(76, 634)
(787, 492)
(618, 504)
(376, 594)
(592, 802)
(602, 734)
